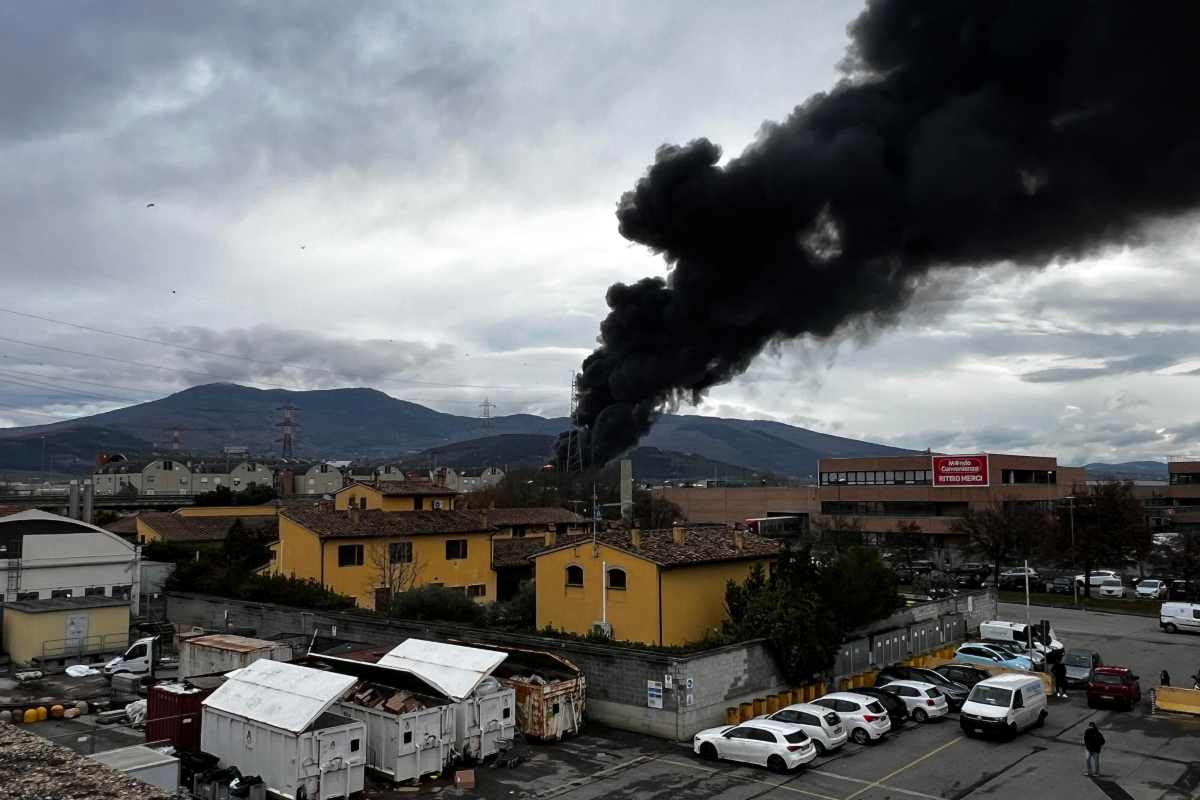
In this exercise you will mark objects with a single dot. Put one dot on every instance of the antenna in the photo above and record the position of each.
(288, 427)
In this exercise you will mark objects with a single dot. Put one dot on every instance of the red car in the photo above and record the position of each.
(1114, 686)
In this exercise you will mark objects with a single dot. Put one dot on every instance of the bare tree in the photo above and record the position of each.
(396, 569)
(1004, 530)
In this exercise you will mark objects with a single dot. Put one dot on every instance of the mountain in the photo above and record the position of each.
(369, 425)
(1127, 471)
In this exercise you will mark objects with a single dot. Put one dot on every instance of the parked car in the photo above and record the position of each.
(1014, 576)
(1175, 617)
(971, 574)
(1112, 587)
(1005, 704)
(1016, 650)
(924, 700)
(1063, 584)
(897, 711)
(1113, 685)
(988, 656)
(956, 693)
(1096, 577)
(1183, 590)
(1151, 589)
(864, 717)
(776, 745)
(822, 725)
(963, 674)
(1079, 664)
(1019, 634)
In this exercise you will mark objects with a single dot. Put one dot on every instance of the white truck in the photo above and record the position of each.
(138, 659)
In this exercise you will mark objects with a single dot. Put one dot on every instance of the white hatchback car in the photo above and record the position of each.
(865, 718)
(823, 726)
(1151, 589)
(778, 746)
(1112, 587)
(923, 700)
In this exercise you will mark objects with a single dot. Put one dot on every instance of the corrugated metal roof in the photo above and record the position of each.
(231, 642)
(453, 669)
(284, 696)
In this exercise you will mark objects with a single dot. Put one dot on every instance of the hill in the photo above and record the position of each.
(366, 424)
(1127, 471)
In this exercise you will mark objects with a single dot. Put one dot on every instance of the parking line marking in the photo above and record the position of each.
(848, 779)
(783, 786)
(909, 765)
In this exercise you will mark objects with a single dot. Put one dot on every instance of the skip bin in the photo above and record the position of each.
(485, 719)
(551, 692)
(223, 652)
(273, 719)
(173, 712)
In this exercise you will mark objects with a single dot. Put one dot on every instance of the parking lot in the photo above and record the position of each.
(1146, 757)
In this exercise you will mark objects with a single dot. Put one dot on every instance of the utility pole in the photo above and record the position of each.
(43, 453)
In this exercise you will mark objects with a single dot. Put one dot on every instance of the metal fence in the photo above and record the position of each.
(84, 646)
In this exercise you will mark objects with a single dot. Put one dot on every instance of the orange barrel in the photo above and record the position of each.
(731, 716)
(760, 706)
(772, 703)
(745, 711)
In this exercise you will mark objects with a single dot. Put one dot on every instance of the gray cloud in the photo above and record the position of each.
(1147, 362)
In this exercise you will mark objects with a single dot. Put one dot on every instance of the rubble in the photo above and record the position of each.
(368, 695)
(33, 768)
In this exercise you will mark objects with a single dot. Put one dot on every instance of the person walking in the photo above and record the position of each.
(1164, 678)
(1059, 671)
(1093, 741)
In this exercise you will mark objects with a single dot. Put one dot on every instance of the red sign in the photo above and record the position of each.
(960, 471)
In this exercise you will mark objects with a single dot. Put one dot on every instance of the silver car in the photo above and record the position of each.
(1079, 664)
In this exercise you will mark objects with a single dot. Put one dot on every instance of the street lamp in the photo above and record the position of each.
(1074, 557)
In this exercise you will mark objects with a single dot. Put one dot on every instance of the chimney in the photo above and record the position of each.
(354, 513)
(739, 540)
(635, 538)
(551, 538)
(86, 510)
(73, 499)
(678, 534)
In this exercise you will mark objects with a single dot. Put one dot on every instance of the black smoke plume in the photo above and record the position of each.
(963, 134)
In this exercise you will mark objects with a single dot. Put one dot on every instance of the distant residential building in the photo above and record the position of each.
(467, 480)
(159, 476)
(319, 479)
(248, 473)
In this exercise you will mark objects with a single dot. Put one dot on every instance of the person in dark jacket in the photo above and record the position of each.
(1164, 679)
(1093, 740)
(1059, 671)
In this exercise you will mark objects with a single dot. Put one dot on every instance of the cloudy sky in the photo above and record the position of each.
(420, 197)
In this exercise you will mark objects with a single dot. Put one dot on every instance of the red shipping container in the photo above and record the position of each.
(173, 714)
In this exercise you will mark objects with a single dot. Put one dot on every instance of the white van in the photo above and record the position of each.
(1006, 704)
(1175, 617)
(1018, 633)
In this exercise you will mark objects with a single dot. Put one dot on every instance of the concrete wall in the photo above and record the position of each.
(618, 676)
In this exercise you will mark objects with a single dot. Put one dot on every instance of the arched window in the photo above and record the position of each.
(574, 575)
(616, 578)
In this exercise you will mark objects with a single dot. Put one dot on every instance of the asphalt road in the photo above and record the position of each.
(1147, 758)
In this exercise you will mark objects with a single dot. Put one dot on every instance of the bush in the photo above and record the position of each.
(437, 603)
(519, 612)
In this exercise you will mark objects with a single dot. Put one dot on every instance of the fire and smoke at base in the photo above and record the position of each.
(964, 134)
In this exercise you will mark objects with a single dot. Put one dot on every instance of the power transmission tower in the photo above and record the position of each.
(485, 416)
(288, 428)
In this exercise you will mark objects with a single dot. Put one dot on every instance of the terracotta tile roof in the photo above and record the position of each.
(174, 528)
(123, 526)
(515, 552)
(701, 545)
(344, 524)
(503, 517)
(404, 488)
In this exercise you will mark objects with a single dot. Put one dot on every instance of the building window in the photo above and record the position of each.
(477, 590)
(27, 595)
(62, 592)
(362, 503)
(323, 468)
(616, 578)
(400, 552)
(123, 591)
(204, 480)
(574, 575)
(168, 465)
(94, 591)
(456, 549)
(350, 555)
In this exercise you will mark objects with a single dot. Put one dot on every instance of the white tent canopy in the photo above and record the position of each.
(284, 696)
(454, 670)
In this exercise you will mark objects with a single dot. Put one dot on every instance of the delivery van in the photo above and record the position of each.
(1004, 705)
(1018, 633)
(1175, 617)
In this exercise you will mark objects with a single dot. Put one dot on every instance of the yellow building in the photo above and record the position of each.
(395, 496)
(370, 554)
(52, 629)
(159, 526)
(664, 587)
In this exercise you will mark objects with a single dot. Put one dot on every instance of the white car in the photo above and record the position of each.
(1151, 589)
(865, 718)
(776, 745)
(923, 700)
(1096, 577)
(1112, 587)
(823, 726)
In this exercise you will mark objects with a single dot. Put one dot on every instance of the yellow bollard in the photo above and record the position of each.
(760, 706)
(772, 704)
(745, 711)
(42, 713)
(731, 716)
(783, 699)
(30, 715)
(818, 690)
